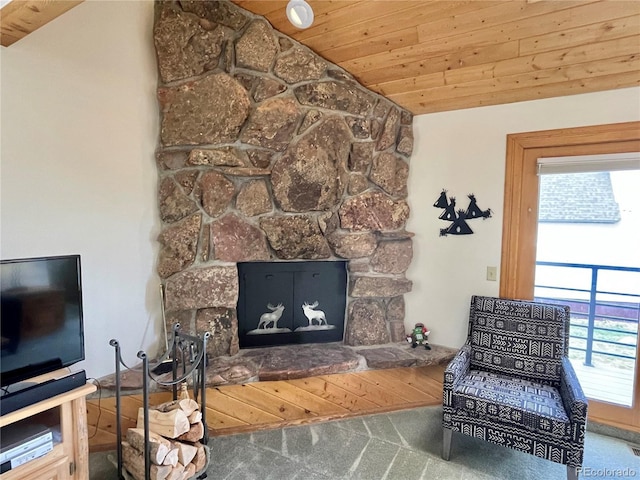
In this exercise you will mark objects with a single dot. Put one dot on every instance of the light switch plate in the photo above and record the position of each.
(492, 274)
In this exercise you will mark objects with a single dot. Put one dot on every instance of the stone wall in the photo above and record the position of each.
(268, 152)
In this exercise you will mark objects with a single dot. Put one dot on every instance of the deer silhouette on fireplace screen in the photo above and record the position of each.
(314, 315)
(268, 322)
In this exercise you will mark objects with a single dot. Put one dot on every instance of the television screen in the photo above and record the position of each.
(41, 316)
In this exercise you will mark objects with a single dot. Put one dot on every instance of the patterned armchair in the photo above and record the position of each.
(512, 384)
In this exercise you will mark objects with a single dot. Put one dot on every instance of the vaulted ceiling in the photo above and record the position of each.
(436, 55)
(18, 18)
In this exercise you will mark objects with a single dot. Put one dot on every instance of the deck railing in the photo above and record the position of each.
(600, 318)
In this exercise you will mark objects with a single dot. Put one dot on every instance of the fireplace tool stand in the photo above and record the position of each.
(187, 353)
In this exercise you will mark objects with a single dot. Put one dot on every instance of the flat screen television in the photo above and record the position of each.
(41, 316)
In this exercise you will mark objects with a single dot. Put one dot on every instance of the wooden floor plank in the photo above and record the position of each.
(155, 398)
(333, 393)
(389, 379)
(265, 401)
(423, 380)
(354, 383)
(298, 396)
(238, 409)
(101, 440)
(104, 419)
(436, 372)
(128, 405)
(217, 420)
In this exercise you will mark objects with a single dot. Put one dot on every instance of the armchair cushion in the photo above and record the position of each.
(523, 339)
(512, 401)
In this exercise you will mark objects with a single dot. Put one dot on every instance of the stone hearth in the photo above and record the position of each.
(270, 153)
(300, 361)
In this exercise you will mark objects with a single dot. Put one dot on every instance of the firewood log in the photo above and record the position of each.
(171, 458)
(195, 417)
(184, 391)
(159, 446)
(168, 424)
(200, 460)
(133, 461)
(189, 471)
(186, 452)
(176, 473)
(187, 405)
(195, 433)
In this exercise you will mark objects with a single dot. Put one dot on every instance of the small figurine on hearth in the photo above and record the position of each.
(419, 336)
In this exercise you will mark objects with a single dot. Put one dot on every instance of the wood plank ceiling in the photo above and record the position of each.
(437, 55)
(18, 18)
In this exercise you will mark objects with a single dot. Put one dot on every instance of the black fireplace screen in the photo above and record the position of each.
(291, 302)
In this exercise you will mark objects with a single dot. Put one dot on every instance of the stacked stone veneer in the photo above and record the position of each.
(270, 153)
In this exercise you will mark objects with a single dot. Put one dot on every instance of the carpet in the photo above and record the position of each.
(401, 445)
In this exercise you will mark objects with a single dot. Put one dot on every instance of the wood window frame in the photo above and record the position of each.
(520, 223)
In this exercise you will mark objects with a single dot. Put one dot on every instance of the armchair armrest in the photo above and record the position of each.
(574, 400)
(455, 371)
(458, 367)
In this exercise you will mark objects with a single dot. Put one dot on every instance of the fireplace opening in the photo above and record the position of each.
(284, 303)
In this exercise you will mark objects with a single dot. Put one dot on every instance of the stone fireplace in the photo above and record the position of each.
(268, 153)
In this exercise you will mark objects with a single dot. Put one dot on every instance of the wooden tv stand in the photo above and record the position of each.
(66, 415)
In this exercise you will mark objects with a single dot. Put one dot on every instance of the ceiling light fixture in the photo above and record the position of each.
(300, 13)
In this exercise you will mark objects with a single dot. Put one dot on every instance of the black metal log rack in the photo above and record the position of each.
(188, 358)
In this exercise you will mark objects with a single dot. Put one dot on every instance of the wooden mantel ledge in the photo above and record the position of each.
(18, 18)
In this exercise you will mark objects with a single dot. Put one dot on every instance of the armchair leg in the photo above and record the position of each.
(446, 444)
(572, 473)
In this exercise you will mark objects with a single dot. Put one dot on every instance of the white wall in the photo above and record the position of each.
(464, 152)
(79, 131)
